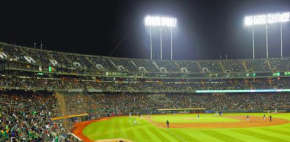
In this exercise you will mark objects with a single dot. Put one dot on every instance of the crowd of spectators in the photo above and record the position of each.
(124, 103)
(258, 65)
(191, 66)
(61, 59)
(280, 64)
(69, 60)
(211, 66)
(33, 82)
(147, 64)
(120, 104)
(13, 53)
(170, 66)
(125, 63)
(26, 117)
(232, 102)
(38, 55)
(104, 62)
(80, 61)
(233, 65)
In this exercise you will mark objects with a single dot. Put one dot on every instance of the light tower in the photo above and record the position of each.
(161, 22)
(267, 19)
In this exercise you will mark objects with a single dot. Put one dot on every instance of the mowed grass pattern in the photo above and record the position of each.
(123, 127)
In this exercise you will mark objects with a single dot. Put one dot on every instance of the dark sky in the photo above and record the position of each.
(206, 28)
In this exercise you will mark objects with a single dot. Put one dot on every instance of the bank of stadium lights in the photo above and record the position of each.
(269, 18)
(265, 20)
(157, 21)
(160, 21)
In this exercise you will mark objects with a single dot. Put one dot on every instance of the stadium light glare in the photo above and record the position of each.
(267, 19)
(157, 21)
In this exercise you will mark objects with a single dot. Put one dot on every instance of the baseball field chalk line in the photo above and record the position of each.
(175, 134)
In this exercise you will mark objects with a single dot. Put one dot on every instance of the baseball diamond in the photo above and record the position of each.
(229, 127)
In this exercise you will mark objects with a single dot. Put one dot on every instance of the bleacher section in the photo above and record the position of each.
(67, 60)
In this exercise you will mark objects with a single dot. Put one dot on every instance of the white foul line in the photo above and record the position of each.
(175, 135)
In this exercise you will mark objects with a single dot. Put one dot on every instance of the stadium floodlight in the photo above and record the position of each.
(160, 21)
(265, 20)
(157, 21)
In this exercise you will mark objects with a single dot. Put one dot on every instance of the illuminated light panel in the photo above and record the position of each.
(160, 21)
(243, 91)
(267, 19)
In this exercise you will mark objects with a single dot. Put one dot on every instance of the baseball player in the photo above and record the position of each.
(167, 123)
(264, 117)
(135, 121)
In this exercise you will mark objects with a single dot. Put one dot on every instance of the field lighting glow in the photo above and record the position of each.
(267, 19)
(160, 21)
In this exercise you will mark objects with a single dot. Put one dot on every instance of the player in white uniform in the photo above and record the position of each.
(264, 117)
(135, 121)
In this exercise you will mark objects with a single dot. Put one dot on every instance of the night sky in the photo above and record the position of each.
(206, 28)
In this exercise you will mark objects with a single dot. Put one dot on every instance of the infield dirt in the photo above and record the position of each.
(254, 121)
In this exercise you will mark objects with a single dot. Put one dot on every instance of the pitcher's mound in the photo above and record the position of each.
(114, 140)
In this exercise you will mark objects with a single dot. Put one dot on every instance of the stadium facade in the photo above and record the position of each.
(110, 74)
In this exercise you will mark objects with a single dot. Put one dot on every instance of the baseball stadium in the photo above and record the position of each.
(55, 94)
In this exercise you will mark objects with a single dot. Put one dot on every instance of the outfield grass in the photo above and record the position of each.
(123, 127)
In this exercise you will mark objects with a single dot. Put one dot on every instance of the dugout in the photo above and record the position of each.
(181, 110)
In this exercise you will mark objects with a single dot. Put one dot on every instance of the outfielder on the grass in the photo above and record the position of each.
(135, 121)
(197, 117)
